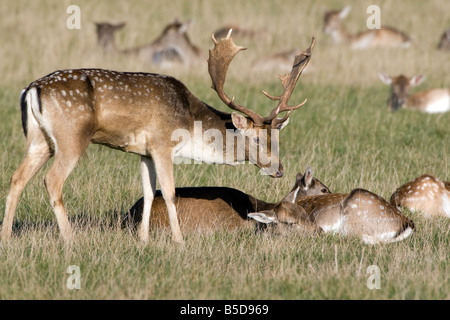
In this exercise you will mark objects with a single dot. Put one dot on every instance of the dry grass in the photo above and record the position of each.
(345, 132)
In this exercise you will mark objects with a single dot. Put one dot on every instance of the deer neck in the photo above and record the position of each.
(340, 35)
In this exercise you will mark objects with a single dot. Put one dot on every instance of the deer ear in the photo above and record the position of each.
(416, 80)
(265, 217)
(292, 196)
(386, 79)
(240, 121)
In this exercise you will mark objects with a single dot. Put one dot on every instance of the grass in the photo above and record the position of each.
(345, 132)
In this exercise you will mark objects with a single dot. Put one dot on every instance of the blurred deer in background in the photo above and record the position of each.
(242, 33)
(429, 101)
(383, 37)
(65, 111)
(426, 194)
(172, 48)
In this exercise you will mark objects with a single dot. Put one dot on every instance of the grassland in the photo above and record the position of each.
(345, 132)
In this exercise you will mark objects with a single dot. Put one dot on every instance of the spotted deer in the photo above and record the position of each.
(214, 208)
(429, 101)
(172, 48)
(426, 194)
(65, 111)
(383, 37)
(358, 213)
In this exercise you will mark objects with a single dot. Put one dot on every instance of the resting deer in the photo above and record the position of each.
(241, 33)
(360, 213)
(172, 48)
(144, 114)
(426, 194)
(383, 37)
(429, 101)
(214, 208)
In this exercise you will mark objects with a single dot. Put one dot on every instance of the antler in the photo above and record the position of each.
(219, 60)
(289, 80)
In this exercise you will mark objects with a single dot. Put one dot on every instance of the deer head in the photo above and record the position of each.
(261, 132)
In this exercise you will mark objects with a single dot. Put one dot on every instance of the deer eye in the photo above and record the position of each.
(324, 190)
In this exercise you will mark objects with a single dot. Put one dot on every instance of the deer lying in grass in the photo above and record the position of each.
(172, 48)
(429, 101)
(146, 114)
(426, 194)
(360, 213)
(215, 208)
(383, 37)
(278, 61)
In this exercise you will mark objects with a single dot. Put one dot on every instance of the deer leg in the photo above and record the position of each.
(149, 187)
(164, 171)
(37, 155)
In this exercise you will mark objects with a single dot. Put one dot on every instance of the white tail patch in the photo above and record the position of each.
(439, 106)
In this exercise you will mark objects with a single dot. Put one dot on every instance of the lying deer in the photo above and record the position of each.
(429, 101)
(241, 33)
(145, 114)
(426, 194)
(216, 208)
(278, 61)
(360, 213)
(383, 37)
(172, 48)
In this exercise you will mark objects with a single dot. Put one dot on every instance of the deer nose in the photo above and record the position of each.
(279, 174)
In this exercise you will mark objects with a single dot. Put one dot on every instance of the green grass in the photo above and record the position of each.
(345, 132)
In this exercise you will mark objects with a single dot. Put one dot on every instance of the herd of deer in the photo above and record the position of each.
(65, 111)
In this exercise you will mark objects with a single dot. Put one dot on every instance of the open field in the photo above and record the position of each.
(345, 132)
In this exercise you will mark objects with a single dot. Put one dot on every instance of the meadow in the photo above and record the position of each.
(345, 132)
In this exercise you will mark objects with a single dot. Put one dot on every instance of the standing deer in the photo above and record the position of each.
(383, 37)
(213, 208)
(429, 101)
(65, 111)
(426, 194)
(172, 48)
(360, 213)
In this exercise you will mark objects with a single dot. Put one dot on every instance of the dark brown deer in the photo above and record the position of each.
(145, 114)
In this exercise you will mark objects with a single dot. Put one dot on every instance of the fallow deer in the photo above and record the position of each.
(65, 111)
(172, 48)
(214, 208)
(426, 194)
(360, 213)
(444, 41)
(429, 101)
(383, 37)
